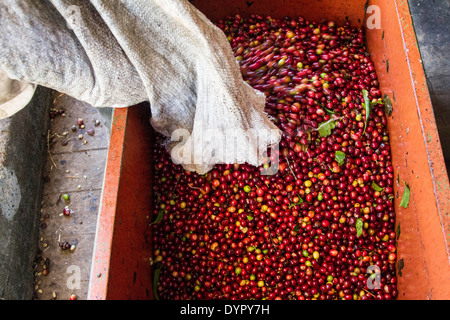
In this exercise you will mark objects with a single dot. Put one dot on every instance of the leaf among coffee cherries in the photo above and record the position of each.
(326, 127)
(339, 157)
(376, 187)
(359, 227)
(159, 217)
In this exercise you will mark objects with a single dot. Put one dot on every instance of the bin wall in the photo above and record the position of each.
(417, 156)
(121, 267)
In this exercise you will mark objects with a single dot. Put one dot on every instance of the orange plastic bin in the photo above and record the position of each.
(121, 268)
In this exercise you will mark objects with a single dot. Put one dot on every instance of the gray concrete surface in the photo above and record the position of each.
(22, 158)
(75, 167)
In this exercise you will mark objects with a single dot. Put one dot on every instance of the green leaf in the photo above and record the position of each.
(326, 127)
(367, 107)
(374, 103)
(397, 233)
(296, 228)
(328, 111)
(159, 217)
(376, 187)
(249, 217)
(400, 266)
(300, 201)
(156, 282)
(359, 227)
(339, 156)
(405, 198)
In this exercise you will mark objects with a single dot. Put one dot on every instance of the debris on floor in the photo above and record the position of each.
(77, 144)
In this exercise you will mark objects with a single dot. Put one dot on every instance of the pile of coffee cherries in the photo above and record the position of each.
(323, 226)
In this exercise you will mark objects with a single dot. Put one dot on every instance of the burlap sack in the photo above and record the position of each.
(117, 53)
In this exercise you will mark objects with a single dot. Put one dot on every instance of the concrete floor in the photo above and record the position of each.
(74, 167)
(77, 168)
